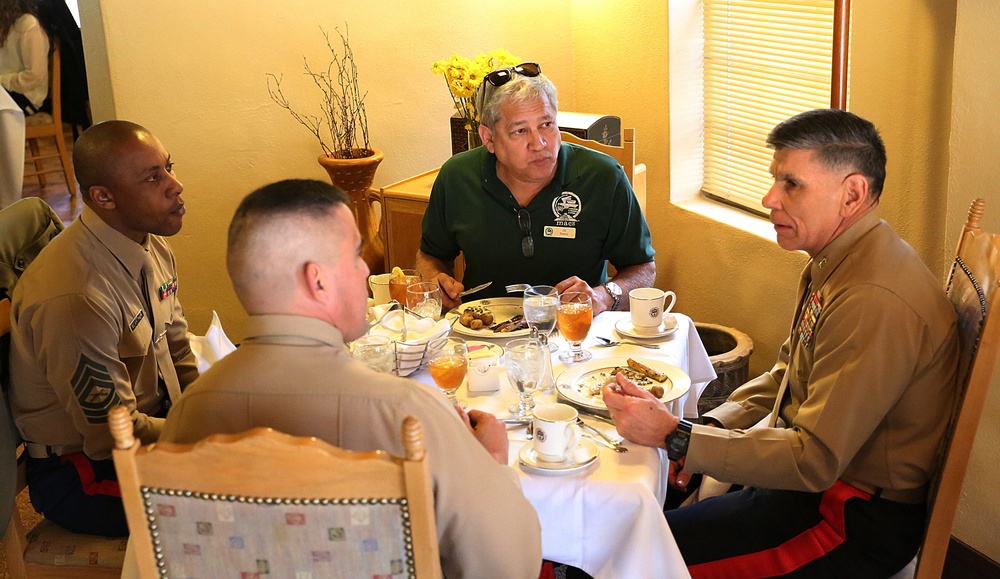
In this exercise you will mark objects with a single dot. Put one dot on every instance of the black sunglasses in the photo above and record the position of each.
(524, 222)
(503, 76)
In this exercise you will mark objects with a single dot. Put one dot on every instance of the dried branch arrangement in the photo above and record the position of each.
(342, 108)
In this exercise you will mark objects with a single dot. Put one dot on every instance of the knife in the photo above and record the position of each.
(475, 289)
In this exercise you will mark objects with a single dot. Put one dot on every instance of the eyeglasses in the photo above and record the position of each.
(503, 76)
(524, 222)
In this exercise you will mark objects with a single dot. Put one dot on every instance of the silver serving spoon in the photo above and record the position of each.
(606, 342)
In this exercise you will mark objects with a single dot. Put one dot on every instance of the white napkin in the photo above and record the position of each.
(211, 347)
(419, 332)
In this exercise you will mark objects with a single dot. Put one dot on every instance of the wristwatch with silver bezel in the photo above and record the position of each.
(677, 441)
(616, 294)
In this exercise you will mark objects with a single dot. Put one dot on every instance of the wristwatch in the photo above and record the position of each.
(677, 441)
(616, 293)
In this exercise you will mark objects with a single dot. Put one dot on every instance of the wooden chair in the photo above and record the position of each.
(266, 502)
(47, 551)
(625, 155)
(42, 125)
(972, 287)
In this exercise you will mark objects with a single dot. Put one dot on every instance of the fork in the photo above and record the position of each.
(517, 287)
(616, 445)
(604, 342)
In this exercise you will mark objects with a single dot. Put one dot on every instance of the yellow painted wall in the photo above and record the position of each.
(974, 153)
(193, 72)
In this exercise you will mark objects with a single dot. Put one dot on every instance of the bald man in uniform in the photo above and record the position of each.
(97, 322)
(294, 256)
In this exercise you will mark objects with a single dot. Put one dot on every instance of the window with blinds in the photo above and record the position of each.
(764, 61)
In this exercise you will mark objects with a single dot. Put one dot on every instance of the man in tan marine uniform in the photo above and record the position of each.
(97, 322)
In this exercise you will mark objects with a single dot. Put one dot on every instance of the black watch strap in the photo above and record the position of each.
(678, 440)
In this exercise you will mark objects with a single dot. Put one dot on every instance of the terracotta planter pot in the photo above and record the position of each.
(355, 177)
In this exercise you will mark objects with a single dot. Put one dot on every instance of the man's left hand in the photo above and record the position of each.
(600, 299)
(639, 416)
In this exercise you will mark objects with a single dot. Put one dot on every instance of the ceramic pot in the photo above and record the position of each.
(355, 177)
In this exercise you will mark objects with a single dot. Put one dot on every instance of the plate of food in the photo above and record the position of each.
(582, 384)
(491, 318)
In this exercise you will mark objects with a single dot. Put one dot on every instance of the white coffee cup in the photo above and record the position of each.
(380, 287)
(648, 310)
(556, 434)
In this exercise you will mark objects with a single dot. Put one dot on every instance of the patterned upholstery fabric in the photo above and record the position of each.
(207, 536)
(50, 544)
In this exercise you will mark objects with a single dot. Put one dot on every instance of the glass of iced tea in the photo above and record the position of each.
(400, 281)
(575, 313)
(449, 363)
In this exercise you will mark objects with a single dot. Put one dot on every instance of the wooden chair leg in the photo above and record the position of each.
(39, 165)
(67, 163)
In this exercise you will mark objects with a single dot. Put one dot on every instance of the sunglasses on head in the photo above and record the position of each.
(503, 76)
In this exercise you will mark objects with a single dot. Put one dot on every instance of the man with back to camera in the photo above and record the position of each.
(96, 322)
(857, 402)
(526, 208)
(294, 257)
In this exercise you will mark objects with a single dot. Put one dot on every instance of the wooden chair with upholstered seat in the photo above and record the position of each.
(43, 125)
(269, 503)
(625, 155)
(972, 289)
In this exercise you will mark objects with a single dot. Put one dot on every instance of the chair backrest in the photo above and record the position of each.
(625, 155)
(266, 502)
(971, 287)
(55, 96)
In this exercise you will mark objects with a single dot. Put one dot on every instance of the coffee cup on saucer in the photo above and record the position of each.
(556, 434)
(649, 314)
(379, 285)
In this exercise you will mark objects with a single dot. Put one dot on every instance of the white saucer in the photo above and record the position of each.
(531, 463)
(625, 328)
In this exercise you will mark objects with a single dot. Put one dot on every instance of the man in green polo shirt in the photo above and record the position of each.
(528, 208)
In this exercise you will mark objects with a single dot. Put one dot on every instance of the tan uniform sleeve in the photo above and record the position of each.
(866, 348)
(81, 346)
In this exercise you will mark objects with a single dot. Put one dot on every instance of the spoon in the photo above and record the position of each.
(606, 342)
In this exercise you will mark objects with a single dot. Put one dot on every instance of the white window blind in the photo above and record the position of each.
(764, 61)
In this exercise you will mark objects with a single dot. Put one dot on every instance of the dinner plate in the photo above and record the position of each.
(503, 309)
(574, 384)
(584, 456)
(625, 328)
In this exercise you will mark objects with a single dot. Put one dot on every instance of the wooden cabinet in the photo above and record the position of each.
(403, 206)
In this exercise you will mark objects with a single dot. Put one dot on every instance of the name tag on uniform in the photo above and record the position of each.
(135, 321)
(560, 232)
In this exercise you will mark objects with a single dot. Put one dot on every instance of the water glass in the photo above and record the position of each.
(376, 352)
(449, 364)
(424, 299)
(575, 314)
(540, 302)
(525, 362)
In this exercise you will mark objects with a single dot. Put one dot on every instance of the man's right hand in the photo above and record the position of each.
(489, 431)
(450, 288)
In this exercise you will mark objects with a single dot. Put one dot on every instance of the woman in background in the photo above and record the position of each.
(24, 55)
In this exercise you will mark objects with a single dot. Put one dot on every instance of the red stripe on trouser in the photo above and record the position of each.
(793, 553)
(86, 473)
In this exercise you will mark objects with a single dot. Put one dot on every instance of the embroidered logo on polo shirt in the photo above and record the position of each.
(566, 207)
(810, 314)
(94, 390)
(168, 289)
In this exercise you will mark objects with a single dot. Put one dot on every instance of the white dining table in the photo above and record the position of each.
(11, 149)
(608, 519)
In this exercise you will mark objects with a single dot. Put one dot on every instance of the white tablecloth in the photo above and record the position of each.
(608, 520)
(11, 149)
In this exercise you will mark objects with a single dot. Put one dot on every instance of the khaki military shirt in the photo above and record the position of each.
(81, 338)
(293, 374)
(871, 363)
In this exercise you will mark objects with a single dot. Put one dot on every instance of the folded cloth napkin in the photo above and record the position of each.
(211, 347)
(420, 334)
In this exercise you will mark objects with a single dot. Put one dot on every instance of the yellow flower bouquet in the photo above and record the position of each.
(463, 76)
